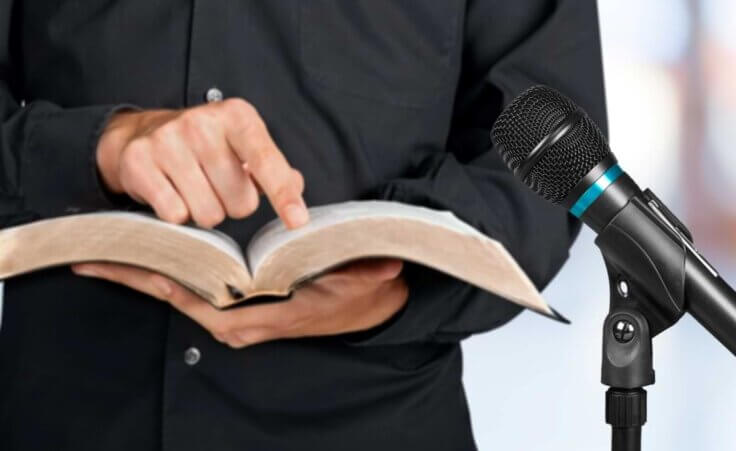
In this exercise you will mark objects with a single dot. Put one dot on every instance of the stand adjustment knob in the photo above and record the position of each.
(626, 408)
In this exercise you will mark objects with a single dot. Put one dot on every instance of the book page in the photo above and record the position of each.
(283, 259)
(205, 261)
(214, 238)
(275, 234)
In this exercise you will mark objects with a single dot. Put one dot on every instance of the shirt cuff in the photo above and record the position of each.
(59, 164)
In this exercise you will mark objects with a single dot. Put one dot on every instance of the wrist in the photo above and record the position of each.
(115, 135)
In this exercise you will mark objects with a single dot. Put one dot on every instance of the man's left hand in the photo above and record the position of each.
(356, 297)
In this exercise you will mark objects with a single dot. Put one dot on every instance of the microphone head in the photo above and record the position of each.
(529, 119)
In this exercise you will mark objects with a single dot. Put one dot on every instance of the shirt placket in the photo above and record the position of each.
(187, 363)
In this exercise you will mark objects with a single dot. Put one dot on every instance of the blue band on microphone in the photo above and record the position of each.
(595, 190)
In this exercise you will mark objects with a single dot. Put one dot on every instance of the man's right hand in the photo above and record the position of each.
(202, 163)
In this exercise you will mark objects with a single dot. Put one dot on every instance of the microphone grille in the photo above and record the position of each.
(527, 120)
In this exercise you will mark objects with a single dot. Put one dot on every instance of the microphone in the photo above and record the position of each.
(558, 151)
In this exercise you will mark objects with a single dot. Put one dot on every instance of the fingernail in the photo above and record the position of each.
(296, 215)
(163, 286)
(84, 271)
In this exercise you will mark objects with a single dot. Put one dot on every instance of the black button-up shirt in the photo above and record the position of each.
(369, 99)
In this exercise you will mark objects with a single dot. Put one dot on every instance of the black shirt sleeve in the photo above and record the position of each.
(47, 153)
(508, 47)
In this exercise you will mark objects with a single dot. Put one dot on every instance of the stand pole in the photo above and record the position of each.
(626, 439)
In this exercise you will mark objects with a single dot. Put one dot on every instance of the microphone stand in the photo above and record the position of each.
(655, 273)
(647, 296)
(626, 367)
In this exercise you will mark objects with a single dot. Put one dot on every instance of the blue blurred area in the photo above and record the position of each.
(670, 69)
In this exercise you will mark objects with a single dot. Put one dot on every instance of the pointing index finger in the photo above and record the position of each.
(246, 133)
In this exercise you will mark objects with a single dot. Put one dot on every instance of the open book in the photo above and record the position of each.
(277, 260)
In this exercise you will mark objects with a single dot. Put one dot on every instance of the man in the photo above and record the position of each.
(190, 108)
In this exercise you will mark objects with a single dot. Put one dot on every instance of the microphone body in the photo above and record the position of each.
(566, 160)
(711, 301)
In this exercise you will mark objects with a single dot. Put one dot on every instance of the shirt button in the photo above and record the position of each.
(192, 356)
(213, 95)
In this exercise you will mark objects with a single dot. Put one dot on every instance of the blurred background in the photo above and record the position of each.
(670, 70)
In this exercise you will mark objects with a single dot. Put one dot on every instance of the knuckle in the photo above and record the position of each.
(204, 223)
(245, 208)
(162, 200)
(217, 216)
(240, 106)
(133, 156)
(260, 153)
(192, 118)
(193, 136)
(210, 218)
(177, 215)
(283, 194)
(130, 186)
(170, 210)
(252, 196)
(235, 344)
(192, 125)
(166, 132)
(138, 146)
(133, 168)
(221, 329)
(298, 180)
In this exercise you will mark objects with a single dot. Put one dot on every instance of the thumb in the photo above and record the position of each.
(379, 269)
